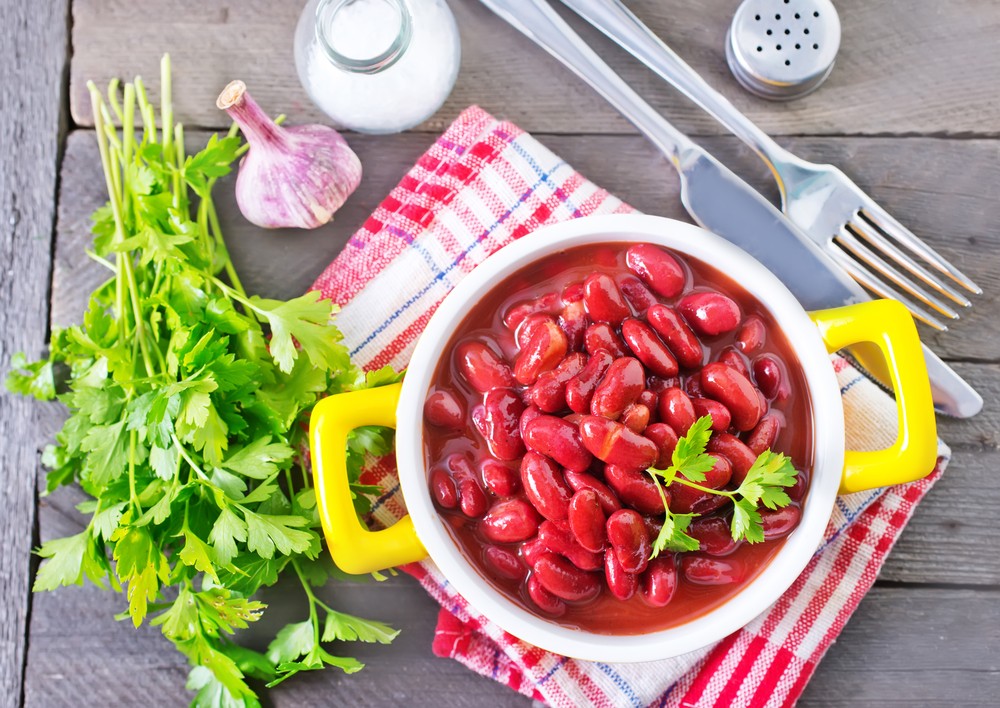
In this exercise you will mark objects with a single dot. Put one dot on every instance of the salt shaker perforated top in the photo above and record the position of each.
(377, 66)
(783, 49)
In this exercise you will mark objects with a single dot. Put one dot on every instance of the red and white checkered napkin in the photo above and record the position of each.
(481, 185)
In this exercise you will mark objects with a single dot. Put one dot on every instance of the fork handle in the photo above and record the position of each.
(540, 22)
(619, 23)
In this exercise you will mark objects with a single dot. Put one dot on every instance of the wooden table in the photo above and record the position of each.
(911, 111)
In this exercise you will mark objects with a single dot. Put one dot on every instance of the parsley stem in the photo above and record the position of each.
(695, 485)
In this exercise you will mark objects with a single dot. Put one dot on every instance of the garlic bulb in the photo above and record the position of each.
(290, 177)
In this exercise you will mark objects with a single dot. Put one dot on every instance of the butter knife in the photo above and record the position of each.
(719, 200)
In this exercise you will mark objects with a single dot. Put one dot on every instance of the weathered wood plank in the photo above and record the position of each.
(32, 65)
(940, 188)
(891, 74)
(904, 645)
(952, 537)
(914, 647)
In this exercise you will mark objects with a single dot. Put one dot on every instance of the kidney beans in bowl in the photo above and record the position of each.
(565, 383)
(555, 375)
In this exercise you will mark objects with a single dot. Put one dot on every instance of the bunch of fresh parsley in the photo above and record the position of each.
(764, 484)
(187, 399)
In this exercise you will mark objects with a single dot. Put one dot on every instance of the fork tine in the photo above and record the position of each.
(847, 240)
(870, 233)
(861, 274)
(883, 220)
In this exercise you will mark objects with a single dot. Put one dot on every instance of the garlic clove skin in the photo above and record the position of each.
(290, 177)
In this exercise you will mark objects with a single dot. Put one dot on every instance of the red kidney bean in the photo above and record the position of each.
(580, 388)
(635, 417)
(621, 584)
(443, 409)
(603, 299)
(660, 270)
(531, 550)
(531, 324)
(665, 439)
(658, 385)
(650, 399)
(686, 500)
(443, 488)
(778, 523)
(586, 520)
(678, 336)
(735, 392)
(504, 563)
(693, 386)
(600, 336)
(619, 387)
(549, 303)
(559, 539)
(720, 474)
(501, 479)
(565, 580)
(648, 348)
(798, 490)
(544, 351)
(615, 444)
(734, 360)
(710, 571)
(573, 321)
(544, 486)
(751, 336)
(637, 294)
(558, 439)
(709, 313)
(510, 521)
(636, 489)
(718, 412)
(580, 481)
(573, 293)
(530, 413)
(659, 581)
(498, 421)
(764, 436)
(481, 367)
(677, 411)
(543, 599)
(549, 391)
(733, 449)
(713, 534)
(472, 498)
(629, 540)
(767, 375)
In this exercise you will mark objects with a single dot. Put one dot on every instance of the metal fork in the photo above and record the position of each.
(862, 237)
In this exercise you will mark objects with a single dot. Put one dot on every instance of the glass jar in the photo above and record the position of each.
(377, 66)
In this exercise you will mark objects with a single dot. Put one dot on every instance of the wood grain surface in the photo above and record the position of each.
(941, 58)
(32, 59)
(911, 112)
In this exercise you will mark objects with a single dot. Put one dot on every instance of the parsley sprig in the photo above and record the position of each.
(764, 483)
(187, 399)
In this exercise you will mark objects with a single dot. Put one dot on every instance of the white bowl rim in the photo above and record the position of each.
(828, 440)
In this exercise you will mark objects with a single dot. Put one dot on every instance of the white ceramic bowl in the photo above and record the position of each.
(352, 548)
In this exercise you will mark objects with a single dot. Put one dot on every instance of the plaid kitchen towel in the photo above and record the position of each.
(481, 185)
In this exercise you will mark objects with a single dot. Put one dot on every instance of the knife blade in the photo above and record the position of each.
(721, 202)
(724, 204)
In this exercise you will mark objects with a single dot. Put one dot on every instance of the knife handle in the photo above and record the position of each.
(540, 23)
(888, 326)
(616, 21)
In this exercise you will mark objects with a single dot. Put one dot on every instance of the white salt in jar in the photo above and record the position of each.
(377, 66)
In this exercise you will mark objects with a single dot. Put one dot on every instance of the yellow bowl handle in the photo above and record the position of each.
(354, 548)
(887, 325)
